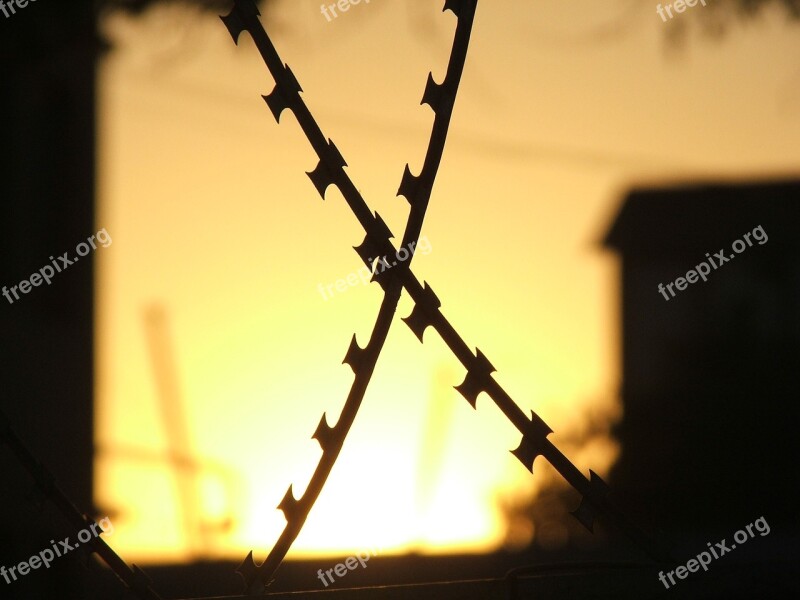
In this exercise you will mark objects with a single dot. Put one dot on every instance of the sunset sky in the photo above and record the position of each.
(563, 107)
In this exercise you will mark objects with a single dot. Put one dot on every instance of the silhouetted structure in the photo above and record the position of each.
(46, 360)
(710, 377)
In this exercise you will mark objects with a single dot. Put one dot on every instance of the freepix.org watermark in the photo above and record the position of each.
(342, 5)
(47, 272)
(702, 270)
(47, 556)
(350, 563)
(678, 5)
(718, 550)
(363, 275)
(9, 5)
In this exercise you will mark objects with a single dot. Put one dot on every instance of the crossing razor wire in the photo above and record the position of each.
(440, 97)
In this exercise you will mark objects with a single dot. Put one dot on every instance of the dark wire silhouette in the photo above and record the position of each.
(426, 311)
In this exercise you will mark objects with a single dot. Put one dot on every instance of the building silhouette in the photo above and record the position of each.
(711, 375)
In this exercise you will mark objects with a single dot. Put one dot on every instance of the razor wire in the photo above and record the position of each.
(427, 306)
(133, 577)
(417, 191)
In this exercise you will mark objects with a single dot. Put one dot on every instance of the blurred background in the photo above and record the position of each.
(173, 382)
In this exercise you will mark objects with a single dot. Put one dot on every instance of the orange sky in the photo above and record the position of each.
(214, 220)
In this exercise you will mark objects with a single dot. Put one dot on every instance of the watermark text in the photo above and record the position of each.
(47, 272)
(9, 5)
(702, 270)
(342, 5)
(363, 275)
(350, 564)
(678, 5)
(47, 556)
(718, 550)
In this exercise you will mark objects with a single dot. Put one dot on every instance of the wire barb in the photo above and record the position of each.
(456, 6)
(533, 444)
(587, 510)
(248, 569)
(475, 381)
(289, 505)
(419, 319)
(434, 94)
(283, 95)
(355, 355)
(409, 186)
(236, 20)
(374, 240)
(328, 170)
(324, 433)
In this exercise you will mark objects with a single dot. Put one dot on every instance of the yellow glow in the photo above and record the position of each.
(215, 223)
